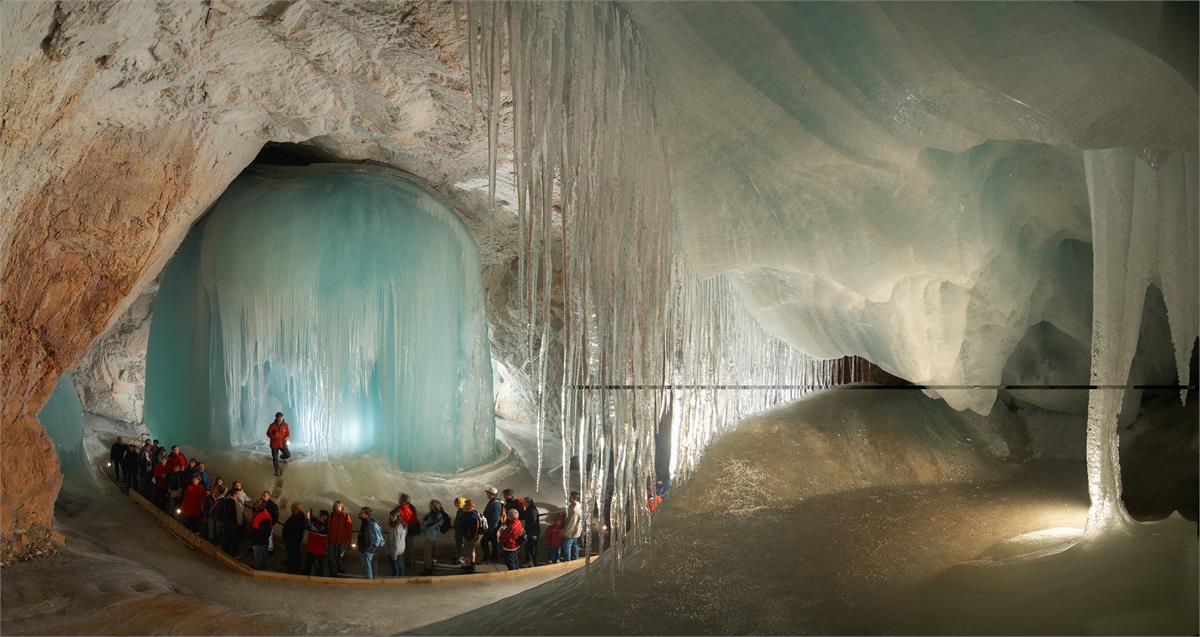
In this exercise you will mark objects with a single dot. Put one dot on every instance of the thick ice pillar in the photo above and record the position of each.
(347, 297)
(1144, 225)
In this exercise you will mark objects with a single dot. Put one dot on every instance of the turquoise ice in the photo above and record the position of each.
(62, 416)
(347, 297)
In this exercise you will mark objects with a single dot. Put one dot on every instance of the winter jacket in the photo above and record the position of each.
(160, 476)
(573, 525)
(316, 538)
(433, 525)
(395, 541)
(341, 527)
(491, 513)
(117, 453)
(273, 509)
(370, 537)
(532, 521)
(554, 532)
(408, 515)
(130, 461)
(193, 500)
(467, 527)
(240, 512)
(510, 535)
(278, 434)
(512, 503)
(176, 459)
(175, 483)
(293, 529)
(224, 509)
(261, 528)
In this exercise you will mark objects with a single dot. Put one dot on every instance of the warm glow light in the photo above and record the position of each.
(109, 464)
(178, 511)
(353, 545)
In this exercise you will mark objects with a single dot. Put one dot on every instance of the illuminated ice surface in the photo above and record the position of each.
(904, 182)
(62, 416)
(346, 297)
(874, 512)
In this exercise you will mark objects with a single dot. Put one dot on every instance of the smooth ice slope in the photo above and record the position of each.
(62, 416)
(348, 298)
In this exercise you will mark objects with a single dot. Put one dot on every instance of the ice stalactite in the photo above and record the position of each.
(349, 298)
(1144, 228)
(602, 273)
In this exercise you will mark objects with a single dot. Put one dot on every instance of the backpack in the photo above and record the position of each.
(374, 535)
(445, 522)
(472, 531)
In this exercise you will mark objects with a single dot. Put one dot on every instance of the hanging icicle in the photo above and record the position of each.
(616, 316)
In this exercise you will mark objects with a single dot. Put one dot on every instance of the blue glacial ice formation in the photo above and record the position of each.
(62, 416)
(347, 297)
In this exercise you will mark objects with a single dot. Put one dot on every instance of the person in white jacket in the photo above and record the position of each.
(572, 528)
(396, 538)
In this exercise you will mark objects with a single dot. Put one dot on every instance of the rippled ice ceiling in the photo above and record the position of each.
(906, 181)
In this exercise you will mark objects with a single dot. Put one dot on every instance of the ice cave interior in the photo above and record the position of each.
(901, 300)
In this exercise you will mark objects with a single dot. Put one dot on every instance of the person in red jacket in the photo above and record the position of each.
(260, 532)
(194, 497)
(512, 537)
(314, 562)
(278, 433)
(406, 514)
(341, 528)
(554, 538)
(176, 458)
(160, 484)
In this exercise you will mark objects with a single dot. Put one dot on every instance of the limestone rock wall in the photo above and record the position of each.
(111, 376)
(120, 123)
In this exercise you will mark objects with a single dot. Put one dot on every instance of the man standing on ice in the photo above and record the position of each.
(278, 434)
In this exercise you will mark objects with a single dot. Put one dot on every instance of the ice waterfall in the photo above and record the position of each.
(601, 269)
(347, 297)
(1145, 225)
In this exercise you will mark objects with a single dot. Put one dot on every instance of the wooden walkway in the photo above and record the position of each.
(451, 575)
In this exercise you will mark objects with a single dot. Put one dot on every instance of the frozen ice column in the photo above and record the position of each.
(347, 297)
(1144, 225)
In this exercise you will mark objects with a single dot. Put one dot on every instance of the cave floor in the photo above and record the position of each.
(974, 557)
(982, 557)
(120, 573)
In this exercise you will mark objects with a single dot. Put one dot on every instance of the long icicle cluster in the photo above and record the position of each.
(610, 296)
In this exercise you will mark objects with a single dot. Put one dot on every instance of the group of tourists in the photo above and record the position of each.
(507, 530)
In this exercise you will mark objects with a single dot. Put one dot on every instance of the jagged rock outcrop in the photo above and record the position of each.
(111, 377)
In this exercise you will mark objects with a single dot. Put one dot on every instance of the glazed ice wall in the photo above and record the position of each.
(62, 416)
(347, 297)
(905, 181)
